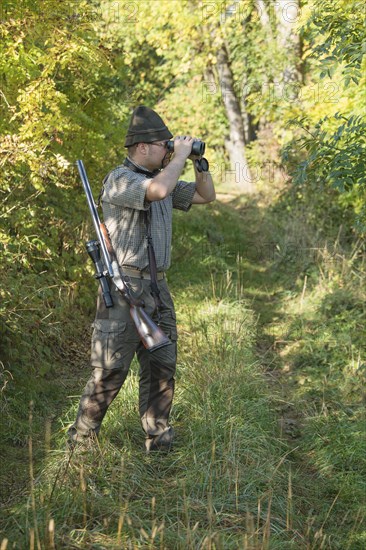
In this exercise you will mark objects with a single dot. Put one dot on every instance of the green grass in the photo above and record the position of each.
(268, 409)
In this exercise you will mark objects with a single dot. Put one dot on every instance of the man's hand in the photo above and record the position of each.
(163, 184)
(183, 146)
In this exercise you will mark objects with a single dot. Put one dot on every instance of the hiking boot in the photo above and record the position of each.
(162, 442)
(81, 442)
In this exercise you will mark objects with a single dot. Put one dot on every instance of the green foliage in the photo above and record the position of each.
(170, 77)
(333, 136)
(257, 61)
(57, 96)
(336, 154)
(342, 37)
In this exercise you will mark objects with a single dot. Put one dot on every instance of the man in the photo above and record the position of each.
(138, 198)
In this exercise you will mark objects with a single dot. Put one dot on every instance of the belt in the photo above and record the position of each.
(131, 272)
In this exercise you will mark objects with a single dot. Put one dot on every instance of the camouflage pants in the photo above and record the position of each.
(114, 344)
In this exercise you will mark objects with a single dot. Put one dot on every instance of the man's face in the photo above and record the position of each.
(158, 154)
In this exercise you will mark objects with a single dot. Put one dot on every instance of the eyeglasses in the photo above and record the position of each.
(159, 144)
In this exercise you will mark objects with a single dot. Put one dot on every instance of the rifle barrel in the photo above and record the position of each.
(95, 216)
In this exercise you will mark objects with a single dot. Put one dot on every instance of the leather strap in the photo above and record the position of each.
(132, 166)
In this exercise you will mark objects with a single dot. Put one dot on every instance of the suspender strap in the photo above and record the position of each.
(132, 166)
(155, 292)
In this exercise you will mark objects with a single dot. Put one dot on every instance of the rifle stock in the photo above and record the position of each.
(149, 332)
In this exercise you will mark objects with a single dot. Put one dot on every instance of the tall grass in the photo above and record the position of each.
(222, 477)
(262, 337)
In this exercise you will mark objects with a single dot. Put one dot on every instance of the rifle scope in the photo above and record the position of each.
(93, 249)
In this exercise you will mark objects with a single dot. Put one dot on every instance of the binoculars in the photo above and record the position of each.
(198, 147)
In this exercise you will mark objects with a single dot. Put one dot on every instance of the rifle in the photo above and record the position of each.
(149, 332)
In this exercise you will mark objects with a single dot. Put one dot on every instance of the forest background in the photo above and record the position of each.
(276, 89)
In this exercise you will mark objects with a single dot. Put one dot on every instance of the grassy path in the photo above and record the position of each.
(309, 298)
(261, 459)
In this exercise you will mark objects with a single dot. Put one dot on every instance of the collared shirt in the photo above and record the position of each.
(124, 202)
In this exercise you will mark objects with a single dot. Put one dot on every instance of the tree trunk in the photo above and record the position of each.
(239, 172)
(264, 18)
(289, 43)
(250, 127)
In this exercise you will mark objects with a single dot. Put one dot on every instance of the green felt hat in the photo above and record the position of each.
(146, 126)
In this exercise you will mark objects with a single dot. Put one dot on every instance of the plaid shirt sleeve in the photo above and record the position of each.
(182, 195)
(123, 187)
